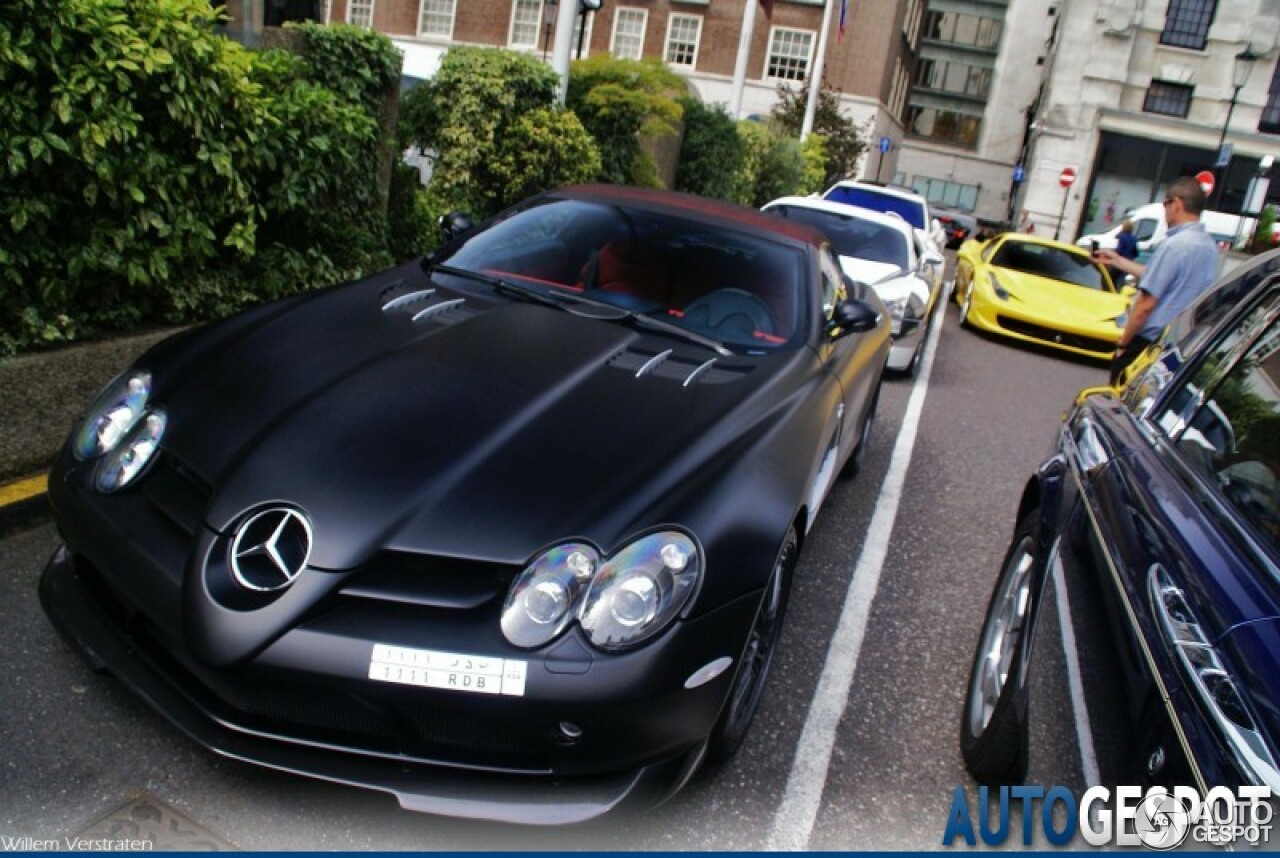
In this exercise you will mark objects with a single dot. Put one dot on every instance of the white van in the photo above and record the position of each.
(1149, 228)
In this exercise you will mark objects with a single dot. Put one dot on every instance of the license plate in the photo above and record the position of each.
(447, 671)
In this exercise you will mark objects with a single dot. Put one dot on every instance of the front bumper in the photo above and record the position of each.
(906, 342)
(589, 734)
(1004, 318)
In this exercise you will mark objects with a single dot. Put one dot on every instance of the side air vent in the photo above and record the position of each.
(684, 371)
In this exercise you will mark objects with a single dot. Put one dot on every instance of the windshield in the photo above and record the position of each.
(733, 286)
(853, 236)
(1052, 262)
(870, 198)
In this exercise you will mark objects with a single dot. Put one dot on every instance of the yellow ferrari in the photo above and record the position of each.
(1040, 291)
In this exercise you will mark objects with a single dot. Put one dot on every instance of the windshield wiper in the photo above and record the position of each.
(656, 324)
(505, 287)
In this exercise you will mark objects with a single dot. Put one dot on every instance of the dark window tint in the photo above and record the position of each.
(1052, 262)
(869, 198)
(852, 236)
(1170, 99)
(1233, 438)
(1187, 23)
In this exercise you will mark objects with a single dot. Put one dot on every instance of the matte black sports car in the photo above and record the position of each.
(1168, 494)
(507, 532)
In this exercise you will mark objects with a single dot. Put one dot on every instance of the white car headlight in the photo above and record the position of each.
(130, 457)
(113, 413)
(620, 602)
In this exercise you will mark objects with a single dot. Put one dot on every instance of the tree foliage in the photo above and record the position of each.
(711, 152)
(844, 146)
(619, 100)
(488, 121)
(152, 168)
(772, 165)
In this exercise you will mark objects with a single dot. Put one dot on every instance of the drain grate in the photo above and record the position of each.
(145, 823)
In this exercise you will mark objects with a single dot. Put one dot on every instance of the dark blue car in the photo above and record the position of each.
(1169, 494)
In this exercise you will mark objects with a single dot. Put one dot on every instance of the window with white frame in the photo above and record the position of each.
(526, 21)
(360, 13)
(683, 34)
(435, 18)
(790, 53)
(628, 33)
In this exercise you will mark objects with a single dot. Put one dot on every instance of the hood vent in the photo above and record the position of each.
(682, 370)
(419, 305)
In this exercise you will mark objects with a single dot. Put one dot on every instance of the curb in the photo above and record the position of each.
(24, 504)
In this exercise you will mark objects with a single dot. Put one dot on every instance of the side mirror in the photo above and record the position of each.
(1128, 290)
(931, 257)
(455, 224)
(853, 316)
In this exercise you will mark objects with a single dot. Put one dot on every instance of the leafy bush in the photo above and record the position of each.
(488, 119)
(620, 100)
(773, 165)
(711, 152)
(155, 171)
(844, 146)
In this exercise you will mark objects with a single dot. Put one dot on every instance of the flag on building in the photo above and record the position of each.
(844, 13)
(768, 8)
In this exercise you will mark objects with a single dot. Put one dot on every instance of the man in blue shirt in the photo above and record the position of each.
(1183, 266)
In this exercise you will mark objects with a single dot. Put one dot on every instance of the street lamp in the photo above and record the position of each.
(1239, 77)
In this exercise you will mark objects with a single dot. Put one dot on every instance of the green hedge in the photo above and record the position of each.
(155, 171)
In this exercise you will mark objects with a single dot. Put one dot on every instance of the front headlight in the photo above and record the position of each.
(1001, 292)
(113, 413)
(620, 602)
(123, 464)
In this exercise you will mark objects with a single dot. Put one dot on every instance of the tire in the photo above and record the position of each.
(854, 463)
(993, 725)
(753, 667)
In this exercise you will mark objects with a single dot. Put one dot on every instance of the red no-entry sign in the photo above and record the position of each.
(1205, 178)
(1067, 176)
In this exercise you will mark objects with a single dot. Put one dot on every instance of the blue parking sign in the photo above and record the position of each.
(885, 144)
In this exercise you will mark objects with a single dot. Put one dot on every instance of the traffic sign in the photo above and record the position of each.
(1205, 178)
(1019, 173)
(885, 144)
(1067, 177)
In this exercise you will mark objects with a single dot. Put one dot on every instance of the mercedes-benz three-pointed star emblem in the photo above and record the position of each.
(271, 549)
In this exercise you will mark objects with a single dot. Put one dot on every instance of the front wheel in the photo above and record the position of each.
(748, 683)
(966, 305)
(993, 731)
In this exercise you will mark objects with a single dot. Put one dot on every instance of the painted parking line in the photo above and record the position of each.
(25, 489)
(1079, 706)
(794, 820)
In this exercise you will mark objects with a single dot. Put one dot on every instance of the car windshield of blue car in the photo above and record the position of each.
(728, 284)
(852, 236)
(1052, 262)
(869, 198)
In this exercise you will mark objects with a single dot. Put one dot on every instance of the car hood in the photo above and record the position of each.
(493, 426)
(867, 271)
(1054, 299)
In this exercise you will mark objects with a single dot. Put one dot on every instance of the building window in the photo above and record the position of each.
(1270, 122)
(953, 77)
(945, 126)
(628, 33)
(790, 52)
(683, 33)
(1187, 23)
(526, 21)
(435, 18)
(968, 30)
(1170, 99)
(953, 194)
(360, 13)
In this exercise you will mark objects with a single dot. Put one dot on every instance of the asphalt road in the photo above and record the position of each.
(76, 746)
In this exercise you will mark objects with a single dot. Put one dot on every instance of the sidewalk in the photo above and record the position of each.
(40, 397)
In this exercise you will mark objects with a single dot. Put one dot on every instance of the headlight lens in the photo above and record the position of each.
(545, 597)
(126, 461)
(620, 602)
(1001, 292)
(640, 590)
(112, 415)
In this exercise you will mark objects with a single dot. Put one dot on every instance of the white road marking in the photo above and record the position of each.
(1084, 731)
(794, 820)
